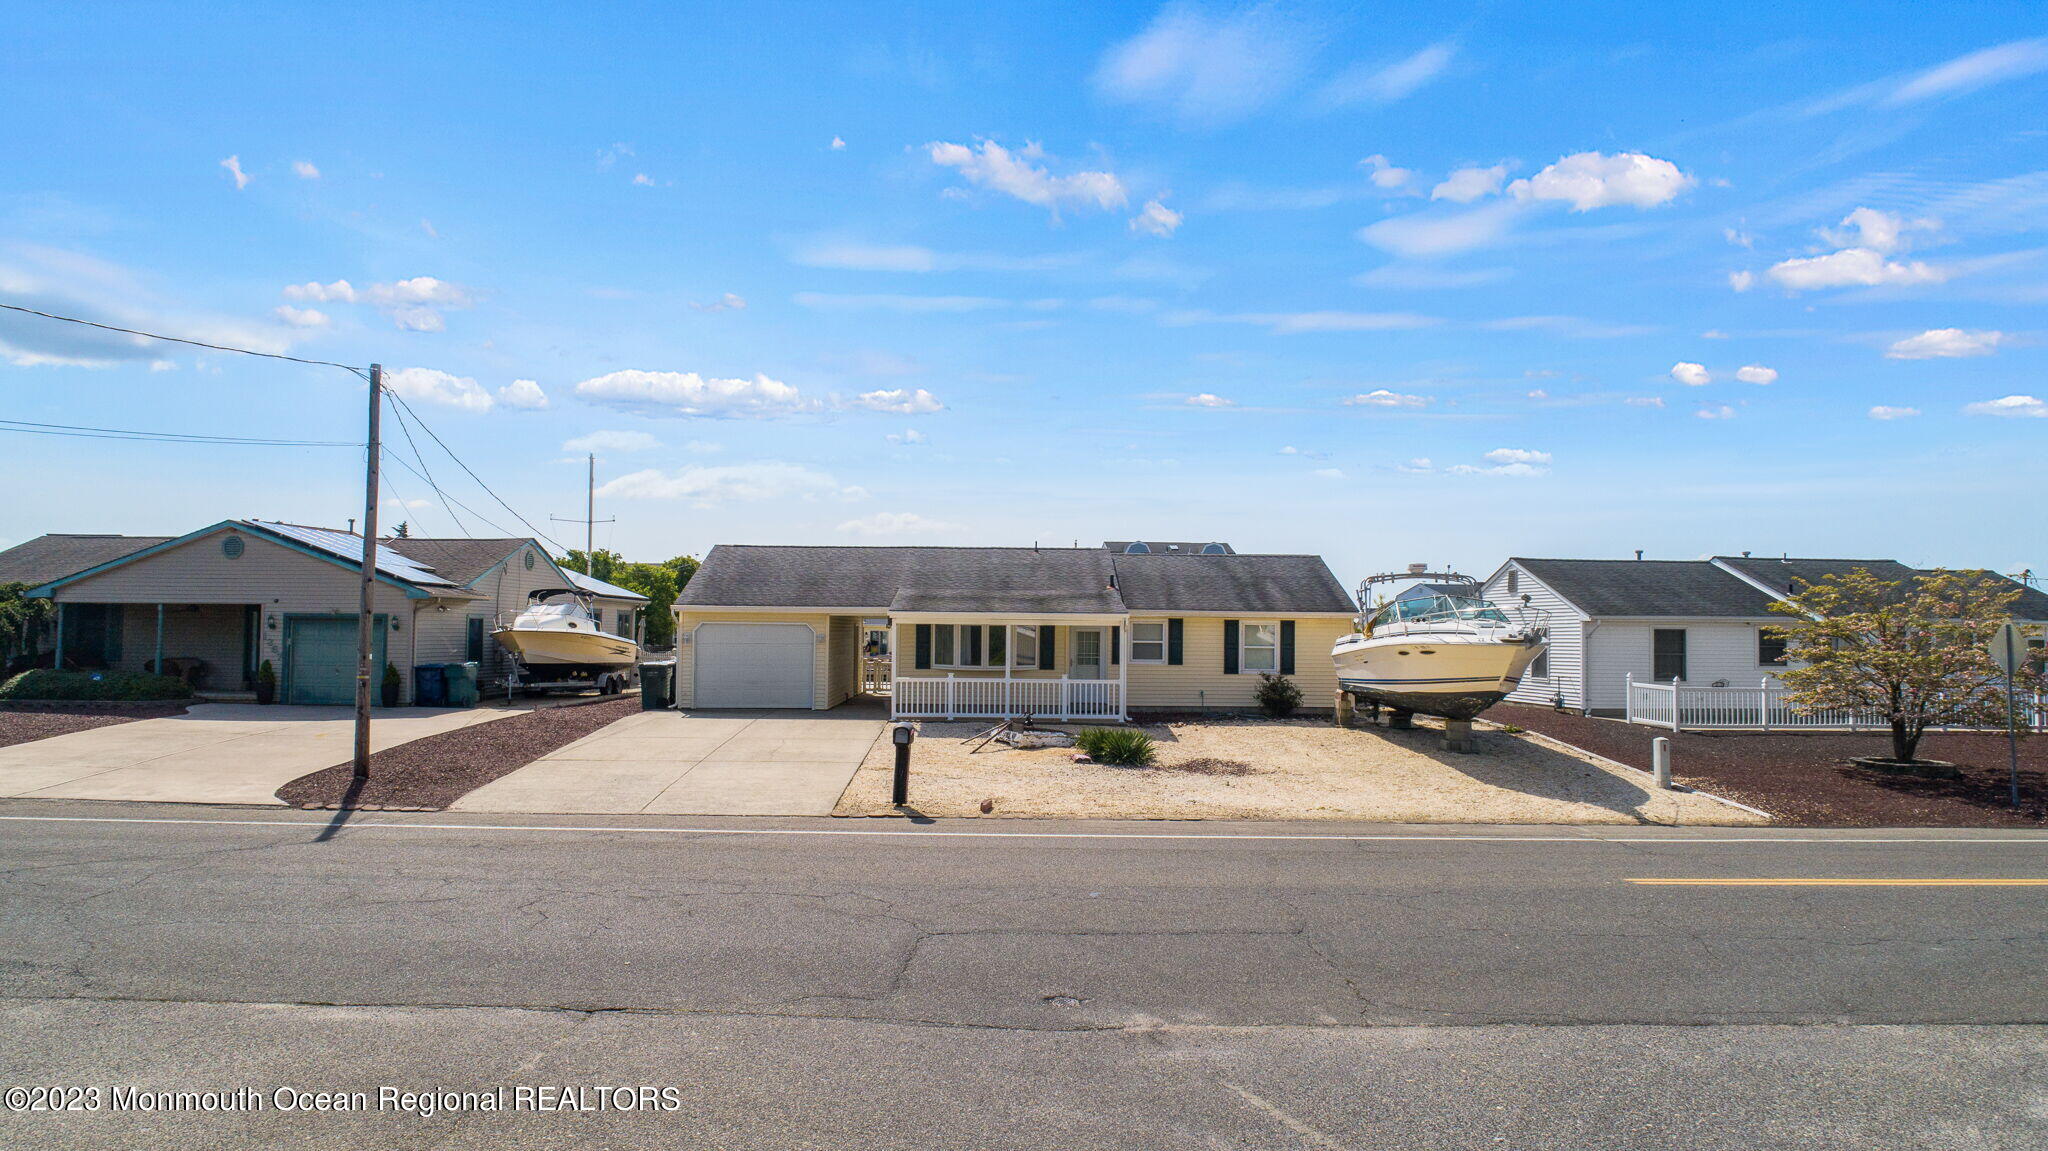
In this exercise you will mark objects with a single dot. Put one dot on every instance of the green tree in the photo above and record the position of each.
(607, 563)
(21, 620)
(659, 582)
(1913, 651)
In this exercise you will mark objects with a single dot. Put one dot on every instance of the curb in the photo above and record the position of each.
(1561, 745)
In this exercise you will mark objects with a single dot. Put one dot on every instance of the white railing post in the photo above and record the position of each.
(1674, 703)
(1066, 697)
(1763, 703)
(1628, 697)
(949, 695)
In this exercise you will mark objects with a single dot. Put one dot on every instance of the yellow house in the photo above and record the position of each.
(1058, 633)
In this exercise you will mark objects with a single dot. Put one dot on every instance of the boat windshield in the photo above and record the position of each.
(554, 611)
(1437, 607)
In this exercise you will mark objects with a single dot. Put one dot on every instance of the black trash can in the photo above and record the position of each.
(430, 685)
(657, 686)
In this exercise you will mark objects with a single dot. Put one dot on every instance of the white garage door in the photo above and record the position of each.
(754, 665)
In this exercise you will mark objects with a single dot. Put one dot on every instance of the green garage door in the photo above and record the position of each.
(320, 659)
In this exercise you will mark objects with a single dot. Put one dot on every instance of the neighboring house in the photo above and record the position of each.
(218, 602)
(1702, 622)
(1432, 590)
(1057, 632)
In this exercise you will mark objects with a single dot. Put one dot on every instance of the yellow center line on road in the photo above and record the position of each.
(1840, 882)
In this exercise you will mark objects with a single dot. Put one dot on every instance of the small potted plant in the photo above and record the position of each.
(392, 684)
(266, 683)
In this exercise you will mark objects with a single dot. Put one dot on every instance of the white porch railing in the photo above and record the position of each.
(975, 697)
(1678, 705)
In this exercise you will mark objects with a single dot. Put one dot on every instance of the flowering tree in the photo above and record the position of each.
(1913, 651)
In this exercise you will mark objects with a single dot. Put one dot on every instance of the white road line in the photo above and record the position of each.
(365, 825)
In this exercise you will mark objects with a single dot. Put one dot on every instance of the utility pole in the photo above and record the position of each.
(365, 616)
(589, 521)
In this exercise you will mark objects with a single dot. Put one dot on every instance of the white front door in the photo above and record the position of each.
(1086, 660)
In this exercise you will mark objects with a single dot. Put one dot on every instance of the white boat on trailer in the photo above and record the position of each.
(1449, 654)
(556, 642)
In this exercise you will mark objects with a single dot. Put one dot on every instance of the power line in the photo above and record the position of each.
(400, 461)
(84, 431)
(181, 340)
(537, 533)
(426, 472)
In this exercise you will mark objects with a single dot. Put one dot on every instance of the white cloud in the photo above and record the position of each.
(1471, 183)
(611, 441)
(732, 483)
(1724, 412)
(1422, 235)
(305, 170)
(729, 302)
(1207, 69)
(430, 386)
(411, 304)
(1852, 267)
(1384, 174)
(340, 291)
(1742, 281)
(1878, 231)
(2025, 407)
(689, 394)
(902, 401)
(1886, 412)
(1644, 401)
(1208, 400)
(1507, 462)
(1738, 237)
(75, 284)
(1384, 398)
(1420, 465)
(1424, 277)
(995, 167)
(1384, 85)
(1691, 375)
(2007, 61)
(523, 394)
(301, 317)
(1945, 343)
(642, 180)
(419, 290)
(1588, 180)
(234, 166)
(1156, 219)
(1539, 394)
(899, 524)
(417, 319)
(838, 144)
(703, 447)
(1756, 374)
(1328, 473)
(906, 436)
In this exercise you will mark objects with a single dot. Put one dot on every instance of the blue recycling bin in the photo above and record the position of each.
(462, 686)
(430, 685)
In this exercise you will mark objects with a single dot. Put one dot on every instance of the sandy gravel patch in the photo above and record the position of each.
(1298, 769)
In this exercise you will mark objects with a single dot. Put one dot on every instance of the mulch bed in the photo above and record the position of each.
(431, 773)
(1806, 778)
(29, 726)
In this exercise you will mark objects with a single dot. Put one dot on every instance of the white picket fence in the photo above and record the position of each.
(974, 697)
(1678, 705)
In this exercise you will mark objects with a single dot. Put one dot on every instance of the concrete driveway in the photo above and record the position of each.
(695, 763)
(214, 753)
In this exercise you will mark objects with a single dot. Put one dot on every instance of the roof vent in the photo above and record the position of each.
(1214, 550)
(1639, 555)
(1137, 548)
(1418, 569)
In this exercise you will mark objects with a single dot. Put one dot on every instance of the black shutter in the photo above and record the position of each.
(1116, 645)
(1045, 644)
(1174, 641)
(1286, 647)
(1230, 647)
(924, 646)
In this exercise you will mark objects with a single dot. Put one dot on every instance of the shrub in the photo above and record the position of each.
(45, 684)
(1277, 695)
(1121, 746)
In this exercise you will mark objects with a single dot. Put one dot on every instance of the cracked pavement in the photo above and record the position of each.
(921, 991)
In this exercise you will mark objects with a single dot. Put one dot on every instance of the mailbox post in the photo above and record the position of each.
(901, 735)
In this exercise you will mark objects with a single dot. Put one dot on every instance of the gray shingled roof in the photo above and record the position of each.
(1023, 580)
(1172, 547)
(52, 557)
(1632, 588)
(1248, 583)
(1783, 574)
(458, 560)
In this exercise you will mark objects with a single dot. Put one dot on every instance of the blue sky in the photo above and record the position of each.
(1443, 282)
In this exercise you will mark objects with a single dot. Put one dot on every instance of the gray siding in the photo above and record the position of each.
(1567, 660)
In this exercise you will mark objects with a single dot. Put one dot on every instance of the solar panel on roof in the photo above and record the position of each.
(346, 545)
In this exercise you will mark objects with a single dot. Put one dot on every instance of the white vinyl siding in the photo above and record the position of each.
(1198, 680)
(1566, 642)
(824, 680)
(1716, 651)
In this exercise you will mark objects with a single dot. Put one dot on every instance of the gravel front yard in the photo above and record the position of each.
(1279, 769)
(29, 726)
(1806, 777)
(429, 774)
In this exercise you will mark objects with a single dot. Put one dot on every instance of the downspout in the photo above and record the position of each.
(1586, 631)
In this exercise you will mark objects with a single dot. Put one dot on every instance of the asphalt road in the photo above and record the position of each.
(1026, 984)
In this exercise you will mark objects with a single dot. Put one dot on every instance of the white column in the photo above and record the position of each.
(1009, 658)
(1123, 671)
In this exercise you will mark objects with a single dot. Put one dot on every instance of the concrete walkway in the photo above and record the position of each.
(214, 753)
(699, 763)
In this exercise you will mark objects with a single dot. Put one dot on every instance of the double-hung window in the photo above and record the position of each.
(1259, 647)
(1770, 648)
(1024, 652)
(1148, 642)
(969, 645)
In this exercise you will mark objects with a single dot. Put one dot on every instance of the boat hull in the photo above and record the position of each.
(1455, 677)
(557, 648)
